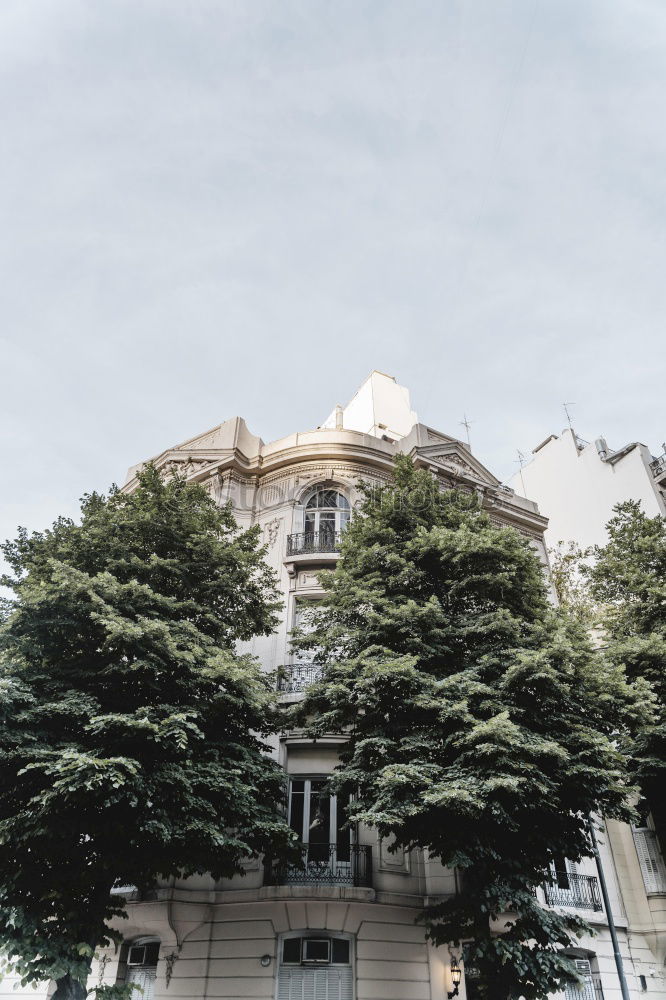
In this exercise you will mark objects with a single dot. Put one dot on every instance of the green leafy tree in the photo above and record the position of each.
(481, 726)
(629, 578)
(568, 573)
(131, 739)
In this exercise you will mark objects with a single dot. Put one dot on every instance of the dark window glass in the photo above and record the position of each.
(319, 833)
(297, 807)
(327, 523)
(340, 951)
(316, 950)
(328, 499)
(561, 873)
(291, 951)
(152, 953)
(342, 834)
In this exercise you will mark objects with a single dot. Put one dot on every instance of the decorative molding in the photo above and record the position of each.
(456, 465)
(169, 962)
(271, 531)
(396, 863)
(102, 963)
(501, 523)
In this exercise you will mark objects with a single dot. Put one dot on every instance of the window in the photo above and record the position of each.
(316, 967)
(142, 958)
(302, 950)
(650, 859)
(327, 512)
(591, 988)
(318, 818)
(302, 605)
(143, 954)
(561, 870)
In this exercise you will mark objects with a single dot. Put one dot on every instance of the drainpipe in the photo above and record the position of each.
(619, 965)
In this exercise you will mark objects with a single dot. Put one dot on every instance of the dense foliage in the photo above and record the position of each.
(629, 579)
(481, 725)
(569, 565)
(131, 731)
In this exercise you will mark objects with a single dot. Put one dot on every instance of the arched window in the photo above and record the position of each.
(326, 512)
(142, 957)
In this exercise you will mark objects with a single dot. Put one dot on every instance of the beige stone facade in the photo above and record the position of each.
(347, 930)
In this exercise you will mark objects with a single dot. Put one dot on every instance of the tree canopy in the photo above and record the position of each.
(481, 725)
(629, 579)
(131, 730)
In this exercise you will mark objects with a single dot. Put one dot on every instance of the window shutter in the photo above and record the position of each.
(143, 976)
(316, 984)
(650, 860)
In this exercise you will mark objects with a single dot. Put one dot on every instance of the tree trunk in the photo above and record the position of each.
(68, 988)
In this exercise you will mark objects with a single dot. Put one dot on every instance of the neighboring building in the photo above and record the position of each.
(343, 928)
(576, 485)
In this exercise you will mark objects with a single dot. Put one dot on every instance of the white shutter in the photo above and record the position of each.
(333, 983)
(586, 991)
(143, 976)
(650, 859)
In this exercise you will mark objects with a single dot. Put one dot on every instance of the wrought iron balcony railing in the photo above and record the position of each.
(580, 892)
(324, 864)
(296, 677)
(590, 990)
(313, 542)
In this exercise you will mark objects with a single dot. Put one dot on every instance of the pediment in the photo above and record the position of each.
(457, 461)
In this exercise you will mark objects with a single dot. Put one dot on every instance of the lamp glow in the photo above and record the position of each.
(456, 977)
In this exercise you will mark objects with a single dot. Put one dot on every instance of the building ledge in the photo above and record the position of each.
(348, 893)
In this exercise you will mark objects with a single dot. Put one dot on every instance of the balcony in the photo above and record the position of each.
(579, 892)
(306, 543)
(293, 678)
(324, 864)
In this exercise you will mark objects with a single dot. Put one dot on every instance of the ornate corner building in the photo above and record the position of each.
(342, 926)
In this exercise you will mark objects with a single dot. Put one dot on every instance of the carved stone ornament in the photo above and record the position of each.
(102, 963)
(169, 962)
(271, 530)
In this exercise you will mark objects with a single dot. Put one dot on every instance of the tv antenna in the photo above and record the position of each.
(466, 424)
(521, 461)
(566, 410)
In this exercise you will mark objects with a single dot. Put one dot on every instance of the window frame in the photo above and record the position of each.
(337, 516)
(315, 935)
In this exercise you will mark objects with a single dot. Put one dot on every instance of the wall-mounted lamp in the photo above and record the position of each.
(265, 961)
(456, 976)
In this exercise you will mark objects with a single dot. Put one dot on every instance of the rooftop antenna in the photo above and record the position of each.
(522, 460)
(466, 424)
(566, 410)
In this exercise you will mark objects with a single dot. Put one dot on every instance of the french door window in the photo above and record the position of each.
(318, 818)
(327, 513)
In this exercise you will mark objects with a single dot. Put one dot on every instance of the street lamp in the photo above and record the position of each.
(456, 976)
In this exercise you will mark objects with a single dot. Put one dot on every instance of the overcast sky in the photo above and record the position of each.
(220, 208)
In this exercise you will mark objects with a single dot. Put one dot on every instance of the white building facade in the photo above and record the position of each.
(576, 484)
(343, 927)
